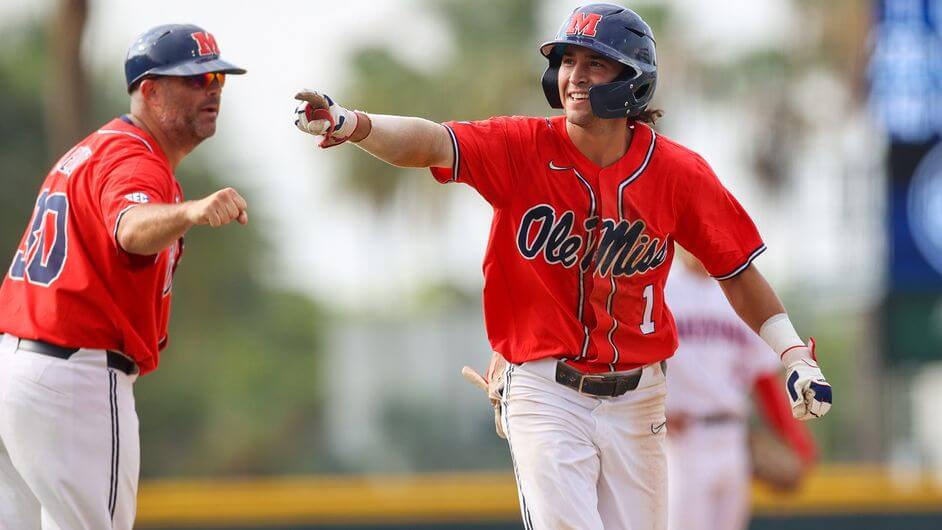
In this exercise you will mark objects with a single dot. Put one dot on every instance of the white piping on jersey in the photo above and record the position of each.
(117, 222)
(456, 152)
(588, 246)
(611, 332)
(621, 216)
(132, 135)
(636, 174)
(743, 267)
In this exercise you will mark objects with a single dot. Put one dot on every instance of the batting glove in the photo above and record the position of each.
(808, 391)
(319, 115)
(492, 383)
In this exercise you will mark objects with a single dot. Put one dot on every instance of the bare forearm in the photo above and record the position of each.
(752, 297)
(407, 142)
(150, 228)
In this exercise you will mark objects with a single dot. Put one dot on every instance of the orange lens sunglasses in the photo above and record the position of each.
(204, 80)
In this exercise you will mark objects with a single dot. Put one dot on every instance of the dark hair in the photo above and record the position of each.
(650, 116)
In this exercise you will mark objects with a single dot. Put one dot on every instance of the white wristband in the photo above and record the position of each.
(779, 334)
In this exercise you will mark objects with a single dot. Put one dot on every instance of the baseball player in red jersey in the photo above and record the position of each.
(587, 207)
(718, 364)
(85, 303)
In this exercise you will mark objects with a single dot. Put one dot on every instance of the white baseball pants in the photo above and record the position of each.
(709, 477)
(582, 462)
(69, 443)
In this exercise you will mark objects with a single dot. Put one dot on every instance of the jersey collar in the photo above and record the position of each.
(628, 164)
(124, 125)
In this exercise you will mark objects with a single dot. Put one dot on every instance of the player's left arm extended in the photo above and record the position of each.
(760, 308)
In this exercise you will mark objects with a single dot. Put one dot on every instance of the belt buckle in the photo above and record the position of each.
(592, 377)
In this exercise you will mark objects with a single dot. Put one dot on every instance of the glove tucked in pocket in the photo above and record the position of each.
(492, 383)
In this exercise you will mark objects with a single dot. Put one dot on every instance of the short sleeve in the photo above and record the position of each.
(484, 156)
(130, 183)
(713, 226)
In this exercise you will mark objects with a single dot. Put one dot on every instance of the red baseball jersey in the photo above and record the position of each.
(578, 255)
(70, 283)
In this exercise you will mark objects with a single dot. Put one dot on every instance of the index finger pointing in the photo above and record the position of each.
(315, 99)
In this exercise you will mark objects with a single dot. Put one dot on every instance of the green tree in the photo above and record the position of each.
(491, 72)
(23, 153)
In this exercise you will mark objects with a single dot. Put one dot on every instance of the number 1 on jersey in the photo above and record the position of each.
(647, 325)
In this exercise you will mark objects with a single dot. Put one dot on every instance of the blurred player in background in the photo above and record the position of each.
(85, 304)
(718, 364)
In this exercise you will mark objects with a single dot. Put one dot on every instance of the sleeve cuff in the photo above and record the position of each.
(117, 223)
(129, 258)
(745, 265)
(445, 174)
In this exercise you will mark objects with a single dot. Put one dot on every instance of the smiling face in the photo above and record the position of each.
(185, 110)
(580, 69)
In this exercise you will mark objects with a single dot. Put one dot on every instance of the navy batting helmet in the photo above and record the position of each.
(619, 34)
(174, 50)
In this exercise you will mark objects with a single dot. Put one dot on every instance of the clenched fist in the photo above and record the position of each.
(220, 208)
(808, 390)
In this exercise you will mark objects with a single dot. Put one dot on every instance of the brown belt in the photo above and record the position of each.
(609, 385)
(115, 359)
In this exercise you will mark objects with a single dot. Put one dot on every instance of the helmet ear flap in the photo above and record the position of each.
(550, 80)
(551, 85)
(604, 99)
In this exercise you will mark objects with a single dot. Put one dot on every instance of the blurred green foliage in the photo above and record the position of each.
(236, 389)
(23, 154)
(492, 69)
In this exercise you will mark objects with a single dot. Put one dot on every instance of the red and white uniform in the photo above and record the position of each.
(70, 283)
(69, 442)
(575, 268)
(579, 255)
(719, 358)
(719, 367)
